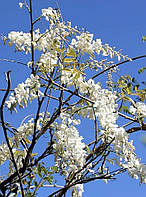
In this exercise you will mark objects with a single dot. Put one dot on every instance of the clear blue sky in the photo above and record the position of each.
(121, 23)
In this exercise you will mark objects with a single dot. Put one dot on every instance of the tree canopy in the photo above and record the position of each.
(64, 91)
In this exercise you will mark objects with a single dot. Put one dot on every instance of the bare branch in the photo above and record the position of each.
(5, 130)
(118, 64)
(14, 61)
(31, 32)
(68, 90)
(134, 129)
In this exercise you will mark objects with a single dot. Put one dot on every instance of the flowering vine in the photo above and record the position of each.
(64, 81)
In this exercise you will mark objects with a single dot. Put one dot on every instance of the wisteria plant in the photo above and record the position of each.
(65, 91)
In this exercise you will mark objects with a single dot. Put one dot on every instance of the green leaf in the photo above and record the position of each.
(35, 183)
(71, 53)
(66, 69)
(144, 38)
(141, 70)
(87, 149)
(111, 161)
(69, 60)
(136, 87)
(39, 170)
(44, 170)
(124, 109)
(49, 179)
(133, 80)
(54, 168)
(29, 194)
(27, 141)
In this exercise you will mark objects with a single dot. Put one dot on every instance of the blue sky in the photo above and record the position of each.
(120, 23)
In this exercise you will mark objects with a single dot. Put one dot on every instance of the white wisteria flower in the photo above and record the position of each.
(63, 56)
(24, 92)
(21, 40)
(21, 4)
(70, 153)
(4, 153)
(83, 42)
(50, 13)
(105, 109)
(138, 109)
(141, 108)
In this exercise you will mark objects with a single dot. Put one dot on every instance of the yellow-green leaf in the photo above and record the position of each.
(70, 53)
(69, 60)
(33, 154)
(60, 50)
(27, 141)
(66, 69)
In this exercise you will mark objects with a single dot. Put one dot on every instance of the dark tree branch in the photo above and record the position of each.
(5, 130)
(134, 129)
(31, 32)
(118, 64)
(68, 90)
(62, 191)
(34, 139)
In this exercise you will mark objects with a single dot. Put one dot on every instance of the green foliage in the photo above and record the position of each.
(128, 88)
(141, 70)
(144, 38)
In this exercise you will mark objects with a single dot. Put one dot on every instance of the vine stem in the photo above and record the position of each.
(115, 65)
(31, 32)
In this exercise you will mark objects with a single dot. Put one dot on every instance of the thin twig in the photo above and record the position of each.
(127, 117)
(13, 61)
(34, 138)
(62, 191)
(67, 90)
(31, 32)
(115, 65)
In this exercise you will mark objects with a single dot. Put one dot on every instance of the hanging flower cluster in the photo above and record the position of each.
(138, 109)
(69, 148)
(4, 153)
(105, 108)
(22, 134)
(27, 129)
(25, 92)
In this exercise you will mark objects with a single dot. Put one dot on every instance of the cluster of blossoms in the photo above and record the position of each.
(84, 43)
(24, 92)
(50, 13)
(54, 40)
(47, 62)
(138, 109)
(21, 40)
(70, 153)
(27, 129)
(104, 103)
(105, 108)
(23, 132)
(47, 41)
(69, 149)
(4, 153)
